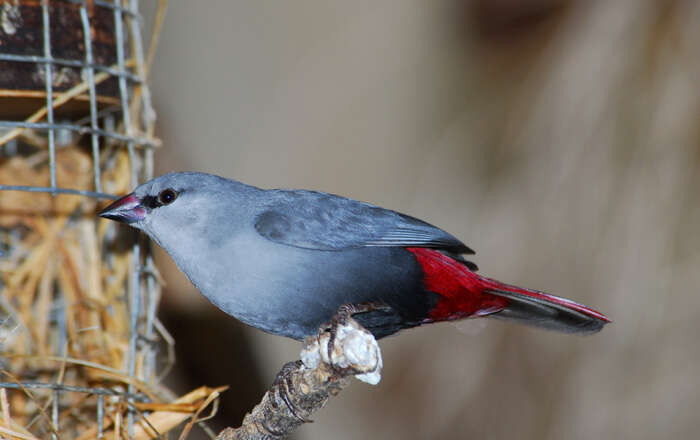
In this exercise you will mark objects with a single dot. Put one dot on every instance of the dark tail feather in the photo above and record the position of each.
(540, 309)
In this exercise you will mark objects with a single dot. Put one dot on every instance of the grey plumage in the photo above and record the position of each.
(316, 220)
(279, 261)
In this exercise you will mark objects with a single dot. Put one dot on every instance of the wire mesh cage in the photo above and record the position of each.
(81, 349)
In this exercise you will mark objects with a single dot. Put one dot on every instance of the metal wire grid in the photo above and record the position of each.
(57, 389)
(89, 66)
(141, 261)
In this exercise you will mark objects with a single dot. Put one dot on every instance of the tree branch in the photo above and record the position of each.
(329, 360)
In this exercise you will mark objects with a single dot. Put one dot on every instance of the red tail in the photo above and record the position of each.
(464, 294)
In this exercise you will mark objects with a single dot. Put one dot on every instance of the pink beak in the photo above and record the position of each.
(127, 210)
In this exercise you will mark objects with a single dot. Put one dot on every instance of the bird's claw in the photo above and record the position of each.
(282, 384)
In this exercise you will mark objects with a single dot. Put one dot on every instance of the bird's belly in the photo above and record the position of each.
(291, 291)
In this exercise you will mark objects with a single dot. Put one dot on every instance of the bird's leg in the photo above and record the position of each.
(344, 313)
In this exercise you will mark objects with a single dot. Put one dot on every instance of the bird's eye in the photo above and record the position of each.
(167, 196)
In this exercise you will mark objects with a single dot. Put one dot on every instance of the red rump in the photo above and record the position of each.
(464, 293)
(461, 290)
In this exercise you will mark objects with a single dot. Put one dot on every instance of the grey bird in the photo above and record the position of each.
(284, 261)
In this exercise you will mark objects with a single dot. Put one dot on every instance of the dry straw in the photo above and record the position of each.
(81, 351)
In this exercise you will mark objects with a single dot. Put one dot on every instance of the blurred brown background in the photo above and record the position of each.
(560, 139)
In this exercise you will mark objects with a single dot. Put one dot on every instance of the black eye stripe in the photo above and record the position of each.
(165, 197)
(150, 202)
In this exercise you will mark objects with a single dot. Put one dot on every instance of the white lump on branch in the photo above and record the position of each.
(353, 348)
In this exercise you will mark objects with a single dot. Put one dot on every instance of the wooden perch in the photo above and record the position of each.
(328, 362)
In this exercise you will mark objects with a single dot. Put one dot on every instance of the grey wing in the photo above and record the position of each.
(315, 220)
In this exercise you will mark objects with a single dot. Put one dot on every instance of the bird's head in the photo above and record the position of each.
(170, 204)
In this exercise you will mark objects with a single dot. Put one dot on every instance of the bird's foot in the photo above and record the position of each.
(283, 383)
